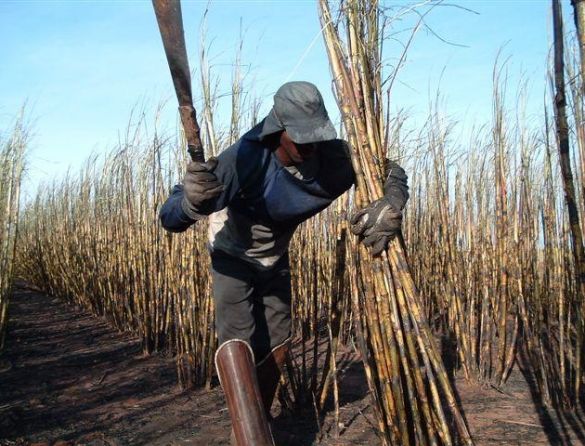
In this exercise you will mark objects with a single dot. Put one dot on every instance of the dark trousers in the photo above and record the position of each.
(251, 304)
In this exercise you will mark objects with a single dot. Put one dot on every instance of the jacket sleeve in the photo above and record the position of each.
(337, 170)
(172, 216)
(176, 214)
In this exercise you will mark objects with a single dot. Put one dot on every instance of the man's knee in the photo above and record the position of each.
(228, 329)
(280, 330)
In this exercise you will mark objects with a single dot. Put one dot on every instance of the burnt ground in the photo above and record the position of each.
(67, 378)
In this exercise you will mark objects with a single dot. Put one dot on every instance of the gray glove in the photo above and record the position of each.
(377, 224)
(396, 185)
(200, 184)
(381, 220)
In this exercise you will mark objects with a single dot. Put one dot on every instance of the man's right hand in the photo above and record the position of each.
(200, 183)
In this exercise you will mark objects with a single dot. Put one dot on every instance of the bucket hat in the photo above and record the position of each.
(299, 109)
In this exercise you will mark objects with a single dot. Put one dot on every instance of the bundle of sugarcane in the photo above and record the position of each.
(405, 372)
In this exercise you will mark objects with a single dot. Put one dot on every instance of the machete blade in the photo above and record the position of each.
(170, 23)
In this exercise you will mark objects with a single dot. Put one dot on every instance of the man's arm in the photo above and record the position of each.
(172, 216)
(207, 188)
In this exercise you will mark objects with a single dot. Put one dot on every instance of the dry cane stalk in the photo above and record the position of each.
(12, 153)
(569, 188)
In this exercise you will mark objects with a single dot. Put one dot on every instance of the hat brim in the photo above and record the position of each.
(308, 131)
(271, 125)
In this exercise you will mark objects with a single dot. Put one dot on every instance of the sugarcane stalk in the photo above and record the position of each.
(562, 131)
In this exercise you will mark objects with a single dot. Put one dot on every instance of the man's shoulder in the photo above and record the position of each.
(247, 142)
(247, 159)
(245, 151)
(335, 154)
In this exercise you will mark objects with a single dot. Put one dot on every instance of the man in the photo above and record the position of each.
(286, 169)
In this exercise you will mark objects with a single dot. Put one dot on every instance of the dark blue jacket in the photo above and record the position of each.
(259, 186)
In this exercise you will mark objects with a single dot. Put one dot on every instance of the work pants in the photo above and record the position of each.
(251, 304)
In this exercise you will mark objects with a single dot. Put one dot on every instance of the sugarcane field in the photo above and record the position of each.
(282, 223)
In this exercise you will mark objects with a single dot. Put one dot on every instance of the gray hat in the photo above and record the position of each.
(299, 109)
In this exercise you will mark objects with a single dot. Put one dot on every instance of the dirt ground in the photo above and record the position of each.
(67, 378)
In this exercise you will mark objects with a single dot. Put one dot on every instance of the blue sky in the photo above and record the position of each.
(82, 66)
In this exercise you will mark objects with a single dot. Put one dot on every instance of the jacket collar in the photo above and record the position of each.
(254, 133)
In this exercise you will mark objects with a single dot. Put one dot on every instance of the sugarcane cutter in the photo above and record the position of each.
(170, 23)
(234, 360)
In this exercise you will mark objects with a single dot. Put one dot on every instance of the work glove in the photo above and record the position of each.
(200, 184)
(396, 185)
(381, 220)
(377, 224)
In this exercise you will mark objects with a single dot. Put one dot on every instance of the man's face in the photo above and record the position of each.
(290, 153)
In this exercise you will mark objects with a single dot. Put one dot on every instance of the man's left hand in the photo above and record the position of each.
(377, 224)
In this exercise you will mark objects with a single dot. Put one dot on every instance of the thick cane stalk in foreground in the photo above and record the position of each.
(404, 369)
(579, 17)
(562, 129)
